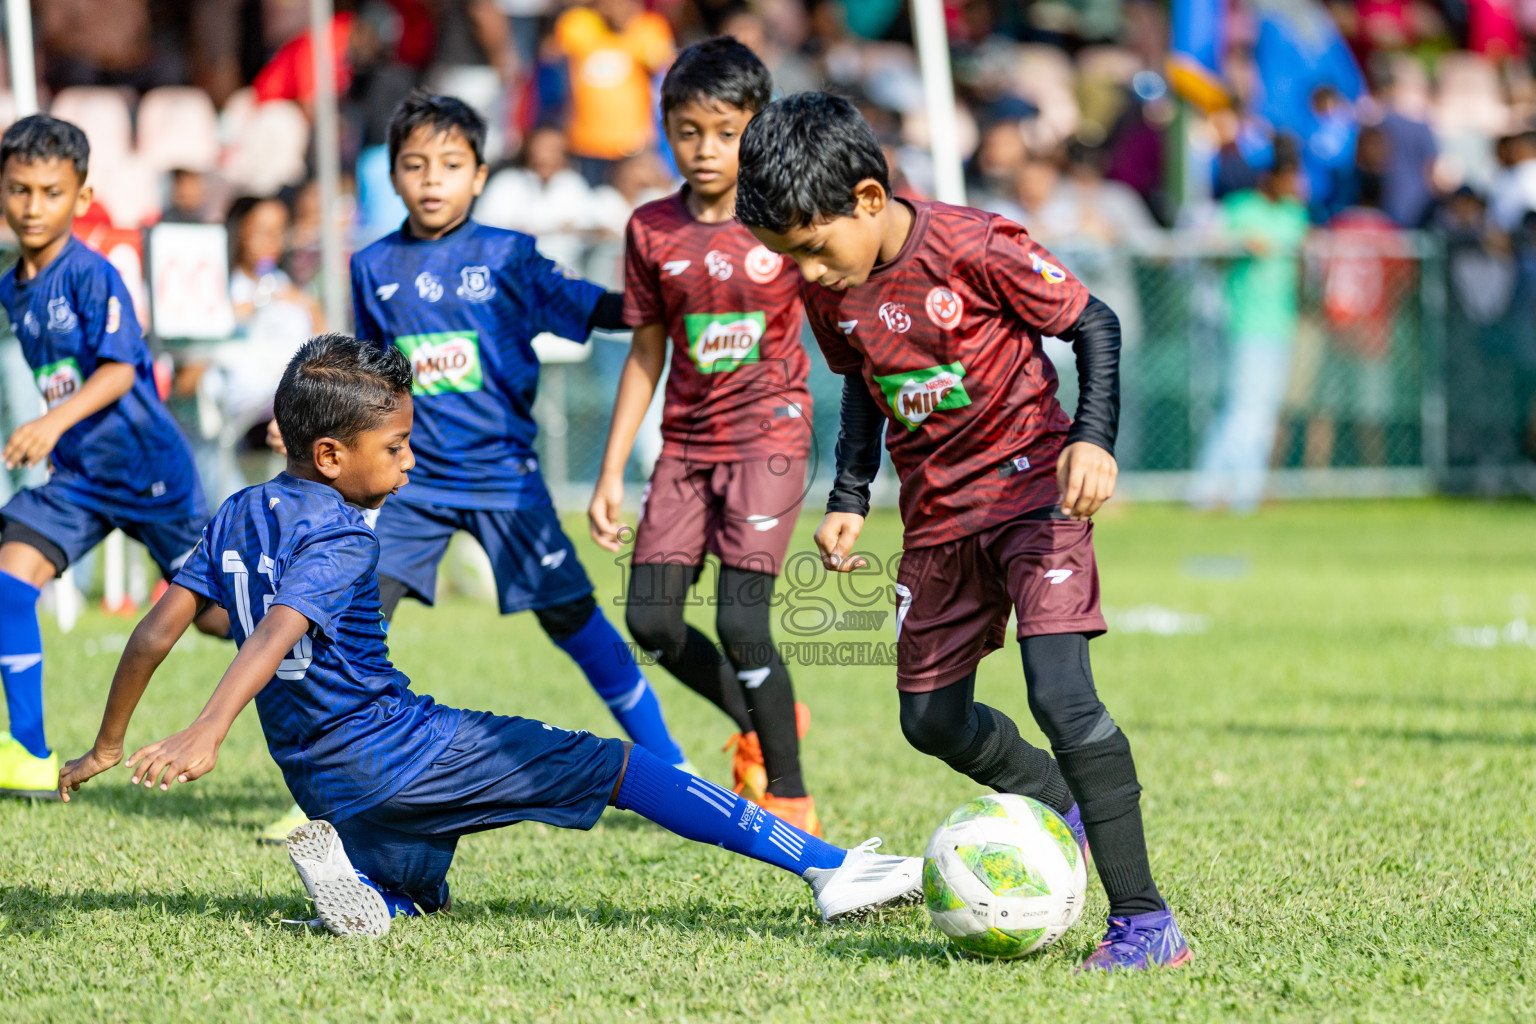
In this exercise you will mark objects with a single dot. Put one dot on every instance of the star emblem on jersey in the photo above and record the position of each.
(917, 394)
(894, 315)
(475, 284)
(944, 308)
(847, 326)
(763, 265)
(718, 264)
(1050, 271)
(676, 267)
(428, 286)
(61, 319)
(386, 291)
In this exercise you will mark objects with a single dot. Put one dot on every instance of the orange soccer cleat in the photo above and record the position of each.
(750, 777)
(798, 811)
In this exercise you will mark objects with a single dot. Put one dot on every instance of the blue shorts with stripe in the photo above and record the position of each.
(533, 560)
(496, 771)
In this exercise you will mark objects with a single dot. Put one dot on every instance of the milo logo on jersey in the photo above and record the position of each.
(444, 363)
(917, 394)
(58, 382)
(721, 342)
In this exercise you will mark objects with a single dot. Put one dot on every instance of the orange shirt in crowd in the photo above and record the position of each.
(611, 114)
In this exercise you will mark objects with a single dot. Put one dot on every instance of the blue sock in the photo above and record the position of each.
(614, 674)
(702, 811)
(21, 662)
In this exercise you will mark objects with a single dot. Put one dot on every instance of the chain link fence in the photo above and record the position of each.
(1382, 384)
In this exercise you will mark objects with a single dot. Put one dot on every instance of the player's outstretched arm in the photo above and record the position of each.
(31, 442)
(192, 753)
(151, 641)
(637, 385)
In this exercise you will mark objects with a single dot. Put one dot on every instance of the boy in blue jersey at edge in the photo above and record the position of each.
(390, 778)
(118, 460)
(463, 302)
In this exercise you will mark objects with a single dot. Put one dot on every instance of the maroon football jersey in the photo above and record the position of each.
(731, 306)
(947, 337)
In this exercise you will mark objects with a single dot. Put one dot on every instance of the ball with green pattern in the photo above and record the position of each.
(1003, 876)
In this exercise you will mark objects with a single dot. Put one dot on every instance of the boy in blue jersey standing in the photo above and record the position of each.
(391, 778)
(463, 302)
(118, 460)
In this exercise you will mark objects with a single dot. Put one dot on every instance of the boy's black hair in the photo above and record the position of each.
(1287, 158)
(719, 70)
(337, 386)
(40, 137)
(440, 113)
(800, 160)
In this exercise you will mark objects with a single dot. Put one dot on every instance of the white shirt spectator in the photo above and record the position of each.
(556, 211)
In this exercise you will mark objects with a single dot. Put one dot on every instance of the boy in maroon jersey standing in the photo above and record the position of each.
(934, 314)
(735, 427)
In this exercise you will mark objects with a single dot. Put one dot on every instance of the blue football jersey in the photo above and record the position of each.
(340, 720)
(465, 309)
(130, 459)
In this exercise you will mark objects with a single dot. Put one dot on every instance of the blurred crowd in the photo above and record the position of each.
(1369, 119)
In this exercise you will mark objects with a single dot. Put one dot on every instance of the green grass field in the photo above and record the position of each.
(1338, 772)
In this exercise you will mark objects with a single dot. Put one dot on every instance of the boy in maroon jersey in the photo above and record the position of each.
(934, 315)
(735, 428)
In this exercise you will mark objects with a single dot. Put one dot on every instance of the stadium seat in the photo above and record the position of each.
(178, 129)
(268, 148)
(127, 187)
(102, 114)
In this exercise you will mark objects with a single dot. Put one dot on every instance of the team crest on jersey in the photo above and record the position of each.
(114, 314)
(718, 264)
(763, 265)
(944, 308)
(61, 319)
(917, 394)
(58, 382)
(721, 342)
(1050, 271)
(895, 316)
(475, 284)
(428, 286)
(447, 362)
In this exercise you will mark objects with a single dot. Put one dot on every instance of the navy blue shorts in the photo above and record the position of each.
(53, 514)
(534, 562)
(496, 771)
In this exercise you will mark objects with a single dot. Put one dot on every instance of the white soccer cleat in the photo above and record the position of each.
(866, 882)
(346, 904)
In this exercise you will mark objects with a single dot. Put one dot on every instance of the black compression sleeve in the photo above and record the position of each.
(608, 314)
(1095, 338)
(858, 448)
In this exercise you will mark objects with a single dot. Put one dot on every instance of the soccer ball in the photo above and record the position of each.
(1003, 876)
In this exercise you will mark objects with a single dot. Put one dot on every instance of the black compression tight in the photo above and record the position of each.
(745, 676)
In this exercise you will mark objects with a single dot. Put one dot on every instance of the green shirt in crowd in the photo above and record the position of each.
(1261, 289)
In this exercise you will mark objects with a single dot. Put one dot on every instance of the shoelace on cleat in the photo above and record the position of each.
(1123, 933)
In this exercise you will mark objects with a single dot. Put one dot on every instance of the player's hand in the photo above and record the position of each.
(275, 438)
(1085, 475)
(83, 769)
(31, 442)
(188, 755)
(603, 513)
(835, 537)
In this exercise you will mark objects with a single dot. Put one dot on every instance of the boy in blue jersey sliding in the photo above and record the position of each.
(390, 778)
(118, 459)
(463, 302)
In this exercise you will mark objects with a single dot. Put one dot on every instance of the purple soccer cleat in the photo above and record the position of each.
(1138, 942)
(1074, 820)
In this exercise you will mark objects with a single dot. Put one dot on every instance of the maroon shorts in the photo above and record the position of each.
(743, 511)
(953, 600)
